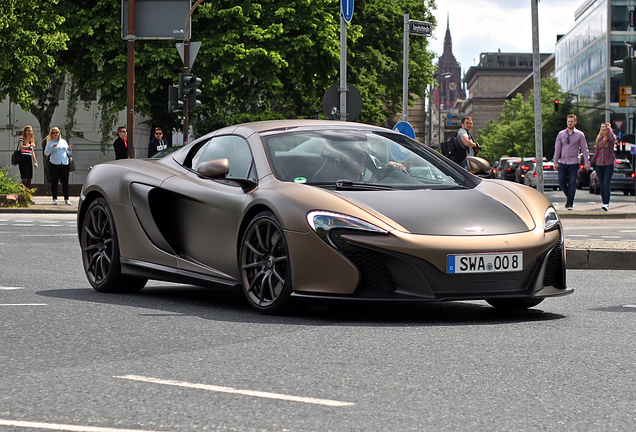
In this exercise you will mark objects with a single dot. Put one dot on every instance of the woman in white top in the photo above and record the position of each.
(59, 151)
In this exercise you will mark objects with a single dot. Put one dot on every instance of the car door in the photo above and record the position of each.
(206, 212)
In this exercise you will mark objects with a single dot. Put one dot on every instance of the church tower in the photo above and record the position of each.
(448, 89)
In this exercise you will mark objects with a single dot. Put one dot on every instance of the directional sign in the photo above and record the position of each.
(346, 9)
(449, 115)
(420, 28)
(619, 135)
(619, 124)
(405, 128)
(623, 93)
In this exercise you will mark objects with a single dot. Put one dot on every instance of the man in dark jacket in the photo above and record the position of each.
(121, 143)
(157, 143)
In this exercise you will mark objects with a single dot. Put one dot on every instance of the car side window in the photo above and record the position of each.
(233, 148)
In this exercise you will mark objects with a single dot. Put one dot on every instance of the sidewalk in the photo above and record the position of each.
(581, 254)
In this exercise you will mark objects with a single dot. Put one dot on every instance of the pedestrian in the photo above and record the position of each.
(567, 146)
(603, 161)
(157, 143)
(26, 144)
(59, 151)
(121, 143)
(467, 140)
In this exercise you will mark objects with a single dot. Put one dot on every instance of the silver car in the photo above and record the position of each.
(550, 176)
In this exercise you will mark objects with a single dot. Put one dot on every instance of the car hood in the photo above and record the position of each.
(447, 212)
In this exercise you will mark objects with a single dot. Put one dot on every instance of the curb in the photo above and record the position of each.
(601, 259)
(590, 215)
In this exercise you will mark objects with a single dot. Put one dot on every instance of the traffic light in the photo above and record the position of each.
(174, 104)
(188, 89)
(556, 105)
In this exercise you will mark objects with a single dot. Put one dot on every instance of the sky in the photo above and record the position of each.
(478, 26)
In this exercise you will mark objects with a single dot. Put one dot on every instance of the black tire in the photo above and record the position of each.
(100, 252)
(264, 265)
(514, 303)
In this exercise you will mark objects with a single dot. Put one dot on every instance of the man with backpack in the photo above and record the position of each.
(467, 140)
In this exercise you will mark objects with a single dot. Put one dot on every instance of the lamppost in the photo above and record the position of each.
(445, 75)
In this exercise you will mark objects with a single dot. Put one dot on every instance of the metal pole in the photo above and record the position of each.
(130, 115)
(186, 69)
(343, 68)
(536, 66)
(430, 115)
(405, 70)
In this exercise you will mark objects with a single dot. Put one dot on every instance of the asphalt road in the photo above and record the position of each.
(182, 358)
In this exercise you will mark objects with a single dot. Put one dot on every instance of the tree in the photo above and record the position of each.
(513, 133)
(30, 40)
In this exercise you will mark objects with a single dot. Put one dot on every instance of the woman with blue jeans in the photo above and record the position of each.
(603, 161)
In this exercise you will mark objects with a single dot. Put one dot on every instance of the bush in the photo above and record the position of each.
(10, 185)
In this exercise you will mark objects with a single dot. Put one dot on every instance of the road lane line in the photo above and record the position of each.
(65, 427)
(254, 393)
(23, 304)
(10, 288)
(629, 306)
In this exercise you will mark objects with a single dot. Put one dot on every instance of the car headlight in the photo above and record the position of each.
(550, 219)
(322, 222)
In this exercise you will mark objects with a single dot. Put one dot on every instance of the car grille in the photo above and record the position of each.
(553, 268)
(374, 273)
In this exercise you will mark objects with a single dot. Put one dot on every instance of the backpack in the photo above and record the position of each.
(453, 149)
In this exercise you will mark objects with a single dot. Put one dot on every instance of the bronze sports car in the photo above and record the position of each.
(319, 209)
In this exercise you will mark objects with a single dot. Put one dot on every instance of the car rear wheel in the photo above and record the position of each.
(514, 303)
(100, 252)
(264, 262)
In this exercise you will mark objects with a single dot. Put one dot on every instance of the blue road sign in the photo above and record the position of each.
(405, 128)
(346, 8)
(449, 115)
(633, 150)
(619, 135)
(449, 123)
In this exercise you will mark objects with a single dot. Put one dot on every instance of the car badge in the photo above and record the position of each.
(473, 229)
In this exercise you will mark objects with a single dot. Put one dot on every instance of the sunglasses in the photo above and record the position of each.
(158, 133)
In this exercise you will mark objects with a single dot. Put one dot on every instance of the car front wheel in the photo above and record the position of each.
(100, 252)
(514, 303)
(264, 262)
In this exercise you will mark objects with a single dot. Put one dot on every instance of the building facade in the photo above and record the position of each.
(585, 60)
(490, 82)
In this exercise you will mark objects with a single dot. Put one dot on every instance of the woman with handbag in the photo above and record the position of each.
(26, 144)
(59, 151)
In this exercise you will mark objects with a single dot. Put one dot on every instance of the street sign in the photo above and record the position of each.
(619, 124)
(405, 128)
(157, 19)
(449, 115)
(194, 50)
(420, 28)
(619, 135)
(623, 93)
(346, 9)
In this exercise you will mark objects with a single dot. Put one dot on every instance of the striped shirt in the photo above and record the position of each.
(25, 151)
(604, 152)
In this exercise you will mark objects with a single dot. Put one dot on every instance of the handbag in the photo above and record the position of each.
(71, 165)
(16, 156)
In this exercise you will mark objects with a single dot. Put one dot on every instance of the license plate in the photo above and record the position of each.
(497, 262)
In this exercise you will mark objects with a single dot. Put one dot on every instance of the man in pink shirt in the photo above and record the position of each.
(569, 143)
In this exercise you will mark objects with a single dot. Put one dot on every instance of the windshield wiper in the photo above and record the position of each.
(351, 185)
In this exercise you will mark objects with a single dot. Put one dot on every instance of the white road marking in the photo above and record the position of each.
(65, 427)
(611, 237)
(253, 393)
(578, 235)
(47, 235)
(628, 231)
(10, 288)
(630, 306)
(23, 304)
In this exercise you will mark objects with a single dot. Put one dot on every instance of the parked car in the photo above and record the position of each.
(507, 169)
(622, 179)
(550, 176)
(522, 169)
(583, 176)
(361, 213)
(165, 152)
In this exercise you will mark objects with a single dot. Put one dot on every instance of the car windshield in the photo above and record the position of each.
(623, 164)
(360, 159)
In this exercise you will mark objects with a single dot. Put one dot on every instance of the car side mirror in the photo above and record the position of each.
(215, 168)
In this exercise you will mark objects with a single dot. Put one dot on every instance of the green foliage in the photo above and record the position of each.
(11, 185)
(513, 133)
(29, 40)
